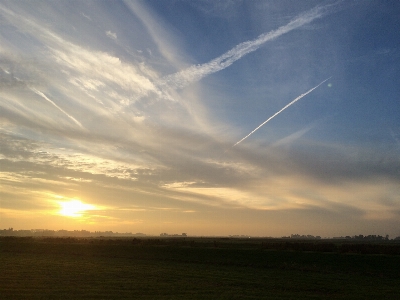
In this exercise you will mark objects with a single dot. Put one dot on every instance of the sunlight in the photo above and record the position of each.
(74, 208)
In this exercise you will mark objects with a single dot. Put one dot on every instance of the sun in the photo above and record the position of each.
(74, 208)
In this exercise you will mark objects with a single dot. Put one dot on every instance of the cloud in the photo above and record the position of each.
(17, 71)
(111, 35)
(9, 81)
(103, 69)
(59, 108)
(297, 190)
(195, 73)
(278, 112)
(293, 137)
(40, 154)
(166, 42)
(85, 68)
(86, 16)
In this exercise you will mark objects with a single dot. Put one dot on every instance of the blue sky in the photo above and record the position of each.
(133, 108)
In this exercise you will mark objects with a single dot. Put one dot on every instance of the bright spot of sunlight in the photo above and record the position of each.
(74, 208)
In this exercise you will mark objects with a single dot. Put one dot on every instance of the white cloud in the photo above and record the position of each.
(59, 108)
(176, 185)
(103, 68)
(195, 73)
(162, 37)
(111, 35)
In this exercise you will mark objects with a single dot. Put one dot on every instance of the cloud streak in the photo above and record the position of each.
(195, 73)
(59, 108)
(277, 113)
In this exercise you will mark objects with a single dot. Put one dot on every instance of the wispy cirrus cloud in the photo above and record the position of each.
(111, 35)
(167, 43)
(59, 108)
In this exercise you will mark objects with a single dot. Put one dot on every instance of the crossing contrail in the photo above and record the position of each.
(277, 113)
(197, 72)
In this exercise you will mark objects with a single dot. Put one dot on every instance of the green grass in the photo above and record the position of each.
(183, 269)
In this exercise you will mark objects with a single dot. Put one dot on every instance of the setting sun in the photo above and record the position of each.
(74, 208)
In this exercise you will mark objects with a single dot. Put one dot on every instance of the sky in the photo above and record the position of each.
(263, 118)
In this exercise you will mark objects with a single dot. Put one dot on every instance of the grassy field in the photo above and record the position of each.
(200, 268)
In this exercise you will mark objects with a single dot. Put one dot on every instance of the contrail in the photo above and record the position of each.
(197, 72)
(63, 111)
(277, 113)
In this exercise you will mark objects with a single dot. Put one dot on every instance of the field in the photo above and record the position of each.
(196, 268)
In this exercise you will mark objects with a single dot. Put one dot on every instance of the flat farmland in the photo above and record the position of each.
(193, 268)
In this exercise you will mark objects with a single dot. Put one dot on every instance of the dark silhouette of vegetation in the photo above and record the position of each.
(196, 268)
(300, 246)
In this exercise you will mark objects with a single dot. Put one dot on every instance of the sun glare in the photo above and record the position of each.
(74, 208)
